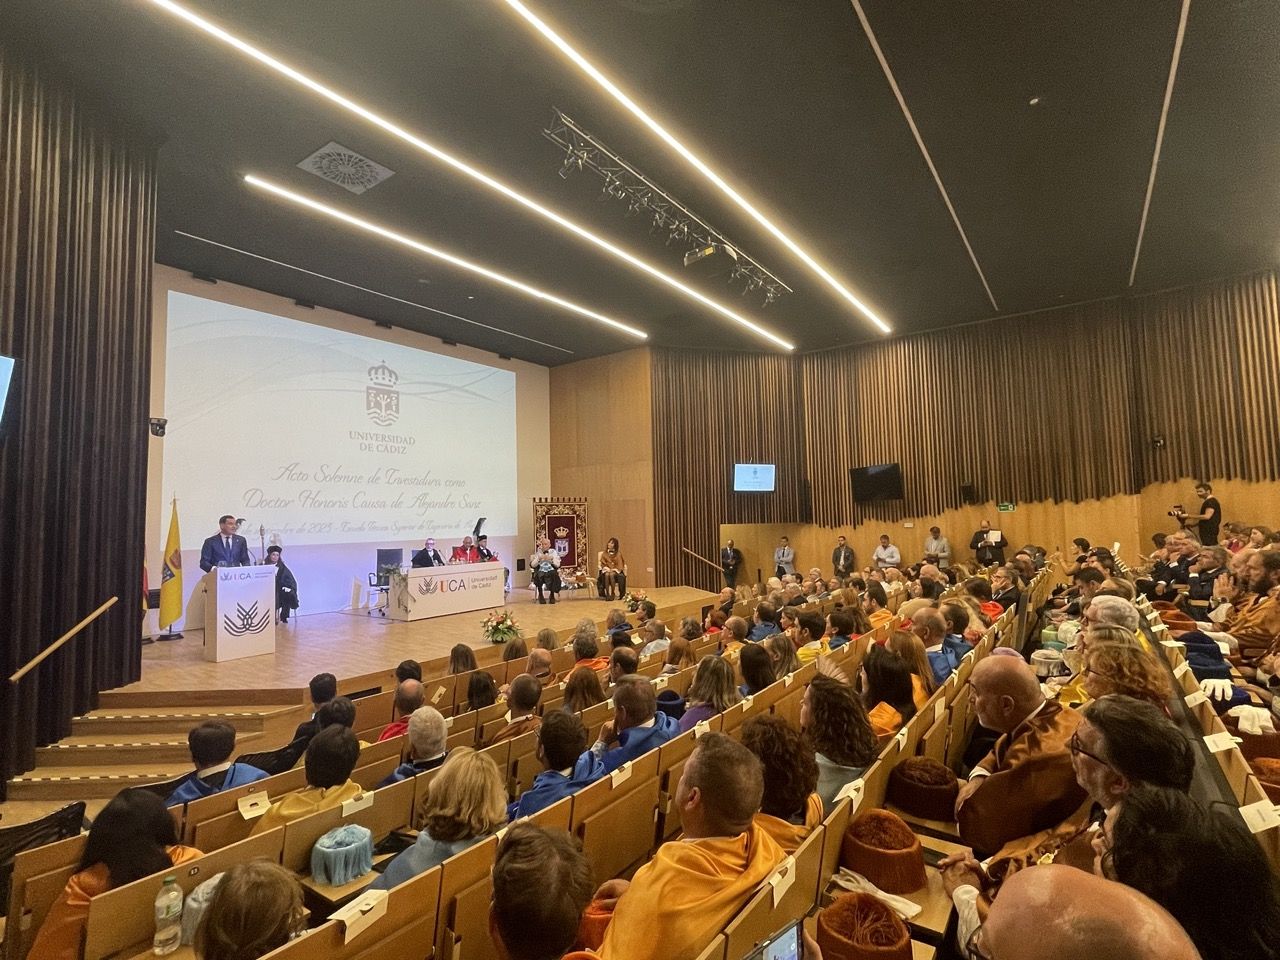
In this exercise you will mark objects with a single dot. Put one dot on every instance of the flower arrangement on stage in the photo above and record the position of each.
(500, 627)
(631, 599)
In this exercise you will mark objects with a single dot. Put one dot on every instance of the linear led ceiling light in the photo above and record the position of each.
(694, 161)
(430, 251)
(474, 173)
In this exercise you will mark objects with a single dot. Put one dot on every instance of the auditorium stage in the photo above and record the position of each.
(350, 644)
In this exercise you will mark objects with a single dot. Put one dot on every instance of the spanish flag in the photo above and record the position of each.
(171, 574)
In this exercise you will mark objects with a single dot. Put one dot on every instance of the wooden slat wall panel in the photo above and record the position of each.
(1211, 355)
(709, 412)
(993, 405)
(1056, 406)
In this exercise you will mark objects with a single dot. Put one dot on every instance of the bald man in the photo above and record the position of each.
(523, 699)
(410, 695)
(1065, 913)
(1026, 783)
(684, 896)
(945, 651)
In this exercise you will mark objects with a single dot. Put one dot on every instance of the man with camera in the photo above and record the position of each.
(1207, 520)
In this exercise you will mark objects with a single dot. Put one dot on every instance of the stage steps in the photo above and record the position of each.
(131, 745)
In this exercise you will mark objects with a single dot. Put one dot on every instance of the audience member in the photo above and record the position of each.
(522, 715)
(756, 669)
(515, 649)
(211, 745)
(809, 637)
(323, 687)
(886, 555)
(482, 690)
(1064, 913)
(944, 650)
(538, 665)
(465, 802)
(331, 757)
(586, 652)
(133, 837)
(1004, 587)
(410, 695)
(428, 736)
(582, 690)
(1127, 669)
(256, 908)
(714, 622)
(988, 546)
(656, 631)
(570, 766)
(764, 622)
(408, 670)
(713, 691)
(462, 659)
(679, 657)
(1203, 866)
(791, 808)
(693, 886)
(959, 623)
(909, 648)
(732, 637)
(875, 604)
(636, 728)
(1026, 783)
(886, 691)
(541, 886)
(782, 653)
(547, 639)
(727, 600)
(835, 720)
(623, 664)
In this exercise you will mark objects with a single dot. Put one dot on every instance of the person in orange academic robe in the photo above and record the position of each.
(790, 835)
(1027, 782)
(681, 899)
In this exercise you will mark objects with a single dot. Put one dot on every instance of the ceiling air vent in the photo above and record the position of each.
(346, 168)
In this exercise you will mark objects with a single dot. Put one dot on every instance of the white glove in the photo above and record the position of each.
(1217, 689)
(1254, 720)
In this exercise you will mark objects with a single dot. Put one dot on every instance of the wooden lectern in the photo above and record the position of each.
(239, 612)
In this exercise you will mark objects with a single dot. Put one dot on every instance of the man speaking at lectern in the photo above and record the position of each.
(225, 548)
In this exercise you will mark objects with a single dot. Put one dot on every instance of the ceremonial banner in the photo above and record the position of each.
(563, 521)
(171, 574)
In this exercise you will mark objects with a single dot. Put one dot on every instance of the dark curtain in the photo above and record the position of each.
(77, 204)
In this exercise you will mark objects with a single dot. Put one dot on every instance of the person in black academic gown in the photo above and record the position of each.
(428, 556)
(286, 584)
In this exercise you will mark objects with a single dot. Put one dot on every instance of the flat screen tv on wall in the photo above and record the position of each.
(881, 481)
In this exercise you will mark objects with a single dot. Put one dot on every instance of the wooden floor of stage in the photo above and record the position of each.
(350, 644)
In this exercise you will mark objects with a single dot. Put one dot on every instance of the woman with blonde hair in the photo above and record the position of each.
(582, 690)
(910, 650)
(466, 802)
(1127, 669)
(714, 690)
(256, 908)
(679, 656)
(783, 654)
(548, 639)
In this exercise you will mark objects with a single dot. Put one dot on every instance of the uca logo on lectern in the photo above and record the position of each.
(381, 399)
(245, 621)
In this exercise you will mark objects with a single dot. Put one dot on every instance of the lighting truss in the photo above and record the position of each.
(623, 182)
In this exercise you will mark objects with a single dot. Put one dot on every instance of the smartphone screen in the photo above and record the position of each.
(784, 946)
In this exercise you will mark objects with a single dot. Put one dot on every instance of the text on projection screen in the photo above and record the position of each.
(322, 436)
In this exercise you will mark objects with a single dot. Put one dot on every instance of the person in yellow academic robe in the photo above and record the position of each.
(1027, 782)
(330, 758)
(681, 899)
(791, 807)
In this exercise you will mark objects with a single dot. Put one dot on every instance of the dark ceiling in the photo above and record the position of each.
(785, 98)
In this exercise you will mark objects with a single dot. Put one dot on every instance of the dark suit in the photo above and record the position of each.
(842, 561)
(214, 552)
(286, 591)
(427, 558)
(730, 561)
(988, 553)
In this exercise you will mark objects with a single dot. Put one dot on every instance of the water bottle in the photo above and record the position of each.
(168, 918)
